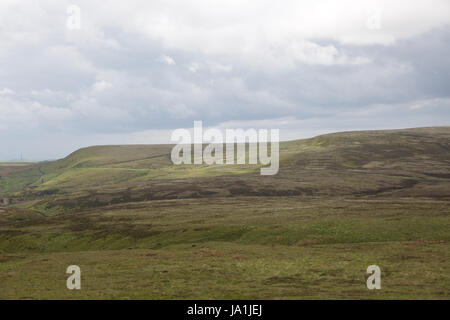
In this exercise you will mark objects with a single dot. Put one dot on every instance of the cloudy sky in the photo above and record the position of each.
(79, 73)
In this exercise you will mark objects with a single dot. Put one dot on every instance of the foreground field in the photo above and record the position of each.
(282, 248)
(140, 227)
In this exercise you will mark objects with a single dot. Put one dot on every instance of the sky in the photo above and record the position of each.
(81, 73)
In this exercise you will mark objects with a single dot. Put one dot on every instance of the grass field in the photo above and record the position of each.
(140, 227)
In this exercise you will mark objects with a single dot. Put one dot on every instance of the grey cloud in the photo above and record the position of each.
(116, 81)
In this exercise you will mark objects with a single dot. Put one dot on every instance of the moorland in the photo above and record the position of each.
(141, 227)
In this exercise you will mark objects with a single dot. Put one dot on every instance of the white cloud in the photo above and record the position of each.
(29, 114)
(167, 60)
(101, 85)
(215, 67)
(254, 31)
(247, 28)
(311, 53)
(193, 67)
(6, 91)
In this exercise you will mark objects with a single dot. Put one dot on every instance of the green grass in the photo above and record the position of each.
(230, 271)
(266, 249)
(140, 227)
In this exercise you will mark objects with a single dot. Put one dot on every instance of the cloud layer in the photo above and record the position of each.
(132, 71)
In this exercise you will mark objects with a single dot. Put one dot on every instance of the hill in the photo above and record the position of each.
(141, 227)
(396, 163)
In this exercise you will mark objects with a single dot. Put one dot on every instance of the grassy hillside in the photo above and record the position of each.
(368, 164)
(396, 163)
(140, 227)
